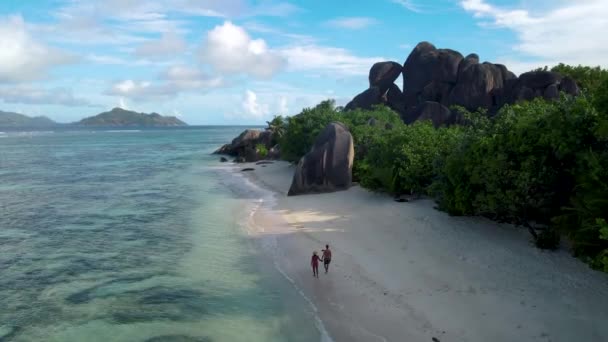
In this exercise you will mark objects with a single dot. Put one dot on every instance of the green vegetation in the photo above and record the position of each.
(538, 164)
(261, 150)
(10, 119)
(300, 131)
(277, 127)
(588, 78)
(120, 117)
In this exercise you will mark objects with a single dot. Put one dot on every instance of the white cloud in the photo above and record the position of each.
(230, 50)
(570, 32)
(255, 26)
(171, 82)
(352, 23)
(22, 58)
(31, 95)
(141, 90)
(184, 78)
(408, 4)
(251, 106)
(105, 59)
(168, 45)
(337, 61)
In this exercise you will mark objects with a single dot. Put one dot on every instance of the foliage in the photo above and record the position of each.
(402, 160)
(518, 169)
(302, 129)
(261, 150)
(547, 239)
(602, 258)
(544, 162)
(600, 100)
(277, 127)
(588, 78)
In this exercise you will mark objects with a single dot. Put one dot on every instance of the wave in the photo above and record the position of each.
(24, 133)
(123, 131)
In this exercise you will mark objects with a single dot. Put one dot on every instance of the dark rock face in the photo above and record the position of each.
(365, 100)
(427, 64)
(394, 99)
(383, 75)
(439, 114)
(436, 79)
(542, 83)
(274, 152)
(477, 84)
(244, 147)
(568, 86)
(327, 167)
(539, 79)
(223, 160)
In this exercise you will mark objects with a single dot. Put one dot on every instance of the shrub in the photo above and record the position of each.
(588, 78)
(277, 127)
(402, 160)
(302, 129)
(261, 150)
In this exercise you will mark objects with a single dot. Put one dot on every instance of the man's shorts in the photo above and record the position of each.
(326, 261)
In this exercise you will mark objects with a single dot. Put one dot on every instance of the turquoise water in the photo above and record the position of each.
(134, 236)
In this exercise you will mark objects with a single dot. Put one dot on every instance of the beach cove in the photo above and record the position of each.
(408, 272)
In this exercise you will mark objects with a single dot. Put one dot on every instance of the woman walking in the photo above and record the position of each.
(314, 262)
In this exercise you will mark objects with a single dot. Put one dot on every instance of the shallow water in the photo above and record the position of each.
(134, 236)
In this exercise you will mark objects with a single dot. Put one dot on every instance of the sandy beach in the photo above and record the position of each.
(408, 272)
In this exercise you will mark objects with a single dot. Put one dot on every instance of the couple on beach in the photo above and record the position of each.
(314, 261)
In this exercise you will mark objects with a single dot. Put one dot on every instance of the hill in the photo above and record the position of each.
(119, 117)
(11, 119)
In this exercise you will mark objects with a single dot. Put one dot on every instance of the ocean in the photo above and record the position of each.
(135, 235)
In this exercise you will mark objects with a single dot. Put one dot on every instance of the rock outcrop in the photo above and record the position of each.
(384, 74)
(366, 100)
(245, 146)
(436, 79)
(328, 165)
(437, 113)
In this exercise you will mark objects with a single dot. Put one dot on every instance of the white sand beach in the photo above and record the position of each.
(408, 272)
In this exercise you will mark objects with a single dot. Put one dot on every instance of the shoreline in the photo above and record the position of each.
(405, 271)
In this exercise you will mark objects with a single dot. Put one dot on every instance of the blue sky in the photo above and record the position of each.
(243, 61)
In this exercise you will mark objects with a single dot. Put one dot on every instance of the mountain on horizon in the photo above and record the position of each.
(119, 117)
(12, 119)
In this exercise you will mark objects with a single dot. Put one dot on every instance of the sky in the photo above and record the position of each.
(244, 61)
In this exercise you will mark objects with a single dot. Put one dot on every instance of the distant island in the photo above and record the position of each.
(11, 119)
(117, 117)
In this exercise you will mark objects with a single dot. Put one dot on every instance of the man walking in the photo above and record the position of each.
(326, 258)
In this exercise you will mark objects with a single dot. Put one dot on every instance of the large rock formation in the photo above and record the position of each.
(428, 65)
(436, 112)
(435, 79)
(328, 165)
(245, 146)
(366, 100)
(384, 74)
